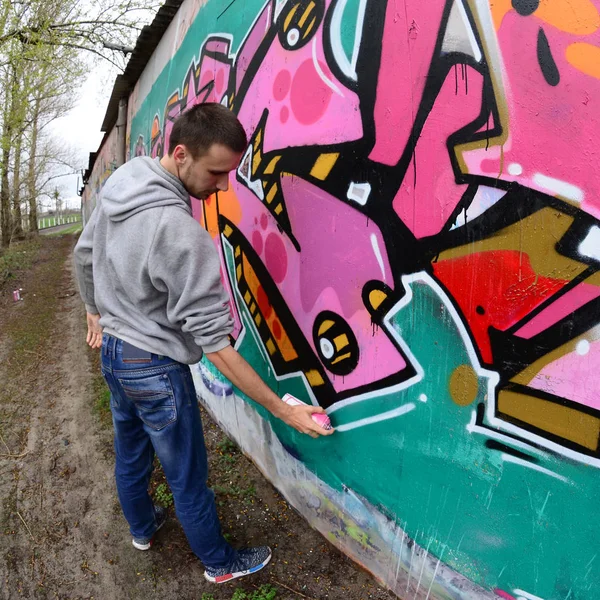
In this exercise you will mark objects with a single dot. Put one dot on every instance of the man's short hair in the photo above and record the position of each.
(204, 125)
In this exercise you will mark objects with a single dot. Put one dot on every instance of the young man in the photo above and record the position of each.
(149, 275)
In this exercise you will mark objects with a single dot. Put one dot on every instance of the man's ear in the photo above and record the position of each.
(180, 154)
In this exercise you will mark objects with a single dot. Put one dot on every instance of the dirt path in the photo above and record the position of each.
(62, 534)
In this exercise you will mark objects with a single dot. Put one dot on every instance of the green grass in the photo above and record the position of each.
(101, 400)
(76, 228)
(17, 259)
(264, 592)
(163, 495)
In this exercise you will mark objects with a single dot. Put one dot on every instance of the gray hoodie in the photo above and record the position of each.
(150, 269)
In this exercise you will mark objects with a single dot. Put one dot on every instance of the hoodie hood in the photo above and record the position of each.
(144, 184)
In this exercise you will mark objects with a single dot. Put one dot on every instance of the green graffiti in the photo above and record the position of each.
(439, 482)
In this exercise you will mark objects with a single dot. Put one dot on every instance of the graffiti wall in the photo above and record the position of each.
(104, 166)
(412, 241)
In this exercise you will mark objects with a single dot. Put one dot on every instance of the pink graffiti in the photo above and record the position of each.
(574, 376)
(401, 82)
(310, 284)
(550, 128)
(429, 193)
(300, 91)
(563, 306)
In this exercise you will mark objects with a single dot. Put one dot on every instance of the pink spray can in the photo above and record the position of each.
(319, 418)
(16, 295)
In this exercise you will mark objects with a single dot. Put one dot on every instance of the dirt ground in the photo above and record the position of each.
(62, 534)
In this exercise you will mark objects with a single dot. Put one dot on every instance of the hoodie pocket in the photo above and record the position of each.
(153, 399)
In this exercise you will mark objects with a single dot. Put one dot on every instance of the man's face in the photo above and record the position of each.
(209, 173)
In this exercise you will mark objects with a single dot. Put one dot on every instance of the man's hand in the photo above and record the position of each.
(300, 417)
(244, 377)
(94, 334)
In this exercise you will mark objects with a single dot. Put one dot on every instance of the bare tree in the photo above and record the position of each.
(105, 28)
(42, 43)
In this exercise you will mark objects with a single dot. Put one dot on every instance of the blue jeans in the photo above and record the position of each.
(155, 410)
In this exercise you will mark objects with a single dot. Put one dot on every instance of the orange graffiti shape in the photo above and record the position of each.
(579, 17)
(229, 207)
(585, 57)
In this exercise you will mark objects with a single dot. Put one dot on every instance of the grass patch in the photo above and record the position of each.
(163, 495)
(247, 494)
(17, 259)
(264, 592)
(101, 400)
(76, 228)
(100, 391)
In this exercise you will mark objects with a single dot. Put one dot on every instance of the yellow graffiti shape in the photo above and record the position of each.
(323, 165)
(566, 422)
(585, 57)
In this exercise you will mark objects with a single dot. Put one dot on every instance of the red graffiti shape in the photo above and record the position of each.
(276, 257)
(495, 288)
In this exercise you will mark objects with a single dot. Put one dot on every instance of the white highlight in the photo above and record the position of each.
(582, 348)
(558, 187)
(246, 174)
(319, 71)
(485, 198)
(523, 463)
(590, 246)
(459, 35)
(279, 6)
(397, 412)
(327, 348)
(515, 169)
(423, 398)
(526, 595)
(474, 45)
(359, 192)
(293, 36)
(348, 67)
(378, 256)
(268, 19)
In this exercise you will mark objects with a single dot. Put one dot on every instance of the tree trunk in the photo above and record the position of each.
(6, 214)
(32, 195)
(16, 195)
(6, 219)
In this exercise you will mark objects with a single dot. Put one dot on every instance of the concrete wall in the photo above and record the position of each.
(412, 241)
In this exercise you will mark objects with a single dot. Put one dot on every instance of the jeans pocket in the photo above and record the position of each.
(153, 398)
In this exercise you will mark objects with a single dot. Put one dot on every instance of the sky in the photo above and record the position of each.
(80, 128)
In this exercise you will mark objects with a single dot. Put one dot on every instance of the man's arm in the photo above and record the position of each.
(184, 263)
(244, 377)
(83, 255)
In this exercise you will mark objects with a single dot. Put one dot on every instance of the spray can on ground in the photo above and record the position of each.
(319, 418)
(16, 295)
